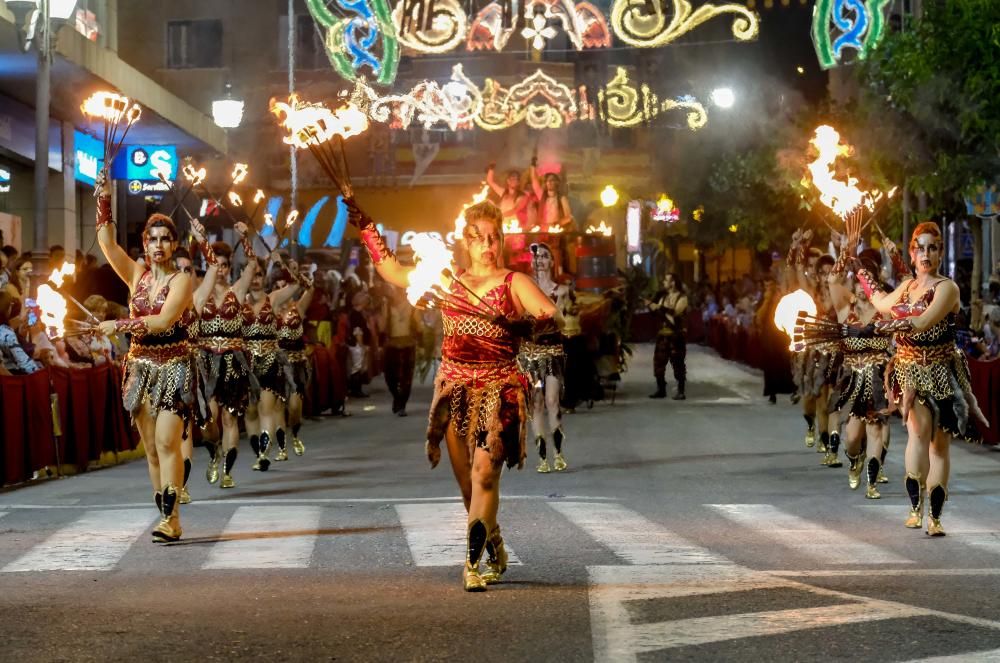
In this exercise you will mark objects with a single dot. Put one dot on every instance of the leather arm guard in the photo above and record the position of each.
(868, 282)
(104, 212)
(247, 247)
(135, 326)
(888, 327)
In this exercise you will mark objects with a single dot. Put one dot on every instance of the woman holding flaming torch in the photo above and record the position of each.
(230, 385)
(928, 379)
(160, 375)
(479, 403)
(291, 339)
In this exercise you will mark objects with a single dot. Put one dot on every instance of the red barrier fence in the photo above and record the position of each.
(741, 345)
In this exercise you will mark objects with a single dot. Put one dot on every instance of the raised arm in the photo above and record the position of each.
(536, 184)
(282, 295)
(384, 260)
(531, 301)
(127, 269)
(491, 180)
(307, 296)
(207, 285)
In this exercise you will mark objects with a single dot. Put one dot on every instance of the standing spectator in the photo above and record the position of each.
(988, 347)
(671, 339)
(357, 364)
(13, 359)
(401, 349)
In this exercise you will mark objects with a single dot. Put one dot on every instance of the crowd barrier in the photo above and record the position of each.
(742, 345)
(90, 421)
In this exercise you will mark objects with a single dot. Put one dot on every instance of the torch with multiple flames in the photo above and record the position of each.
(113, 110)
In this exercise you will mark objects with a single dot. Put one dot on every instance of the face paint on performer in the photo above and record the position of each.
(926, 253)
(159, 245)
(484, 242)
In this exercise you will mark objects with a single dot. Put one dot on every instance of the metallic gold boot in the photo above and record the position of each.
(212, 471)
(882, 478)
(496, 562)
(476, 543)
(854, 468)
(229, 464)
(810, 438)
(263, 462)
(543, 464)
(559, 464)
(185, 496)
(915, 490)
(298, 447)
(937, 496)
(169, 528)
(874, 468)
(821, 446)
(282, 451)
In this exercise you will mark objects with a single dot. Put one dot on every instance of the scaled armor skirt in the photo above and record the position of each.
(809, 370)
(538, 362)
(302, 370)
(164, 376)
(271, 367)
(485, 405)
(861, 390)
(228, 379)
(938, 377)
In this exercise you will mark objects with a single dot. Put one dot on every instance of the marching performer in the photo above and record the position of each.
(671, 339)
(543, 360)
(160, 376)
(513, 199)
(291, 340)
(479, 397)
(230, 385)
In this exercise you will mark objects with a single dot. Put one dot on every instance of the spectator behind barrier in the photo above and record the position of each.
(13, 358)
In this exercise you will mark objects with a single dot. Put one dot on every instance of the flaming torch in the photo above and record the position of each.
(112, 109)
(52, 304)
(314, 126)
(791, 307)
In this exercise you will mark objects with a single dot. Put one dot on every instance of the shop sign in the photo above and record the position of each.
(146, 163)
(142, 188)
(4, 179)
(88, 158)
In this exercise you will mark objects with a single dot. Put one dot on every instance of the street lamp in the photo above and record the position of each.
(723, 97)
(227, 112)
(609, 196)
(41, 19)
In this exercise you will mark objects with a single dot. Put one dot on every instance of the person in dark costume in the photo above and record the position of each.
(671, 339)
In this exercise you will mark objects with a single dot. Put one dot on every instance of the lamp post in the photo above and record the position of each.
(39, 20)
(227, 112)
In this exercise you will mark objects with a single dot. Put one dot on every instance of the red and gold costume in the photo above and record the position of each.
(291, 339)
(160, 367)
(223, 362)
(478, 390)
(268, 362)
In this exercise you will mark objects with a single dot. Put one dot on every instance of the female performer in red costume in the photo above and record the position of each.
(928, 379)
(291, 339)
(160, 375)
(553, 205)
(230, 385)
(479, 394)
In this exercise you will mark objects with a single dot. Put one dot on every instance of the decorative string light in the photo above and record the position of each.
(455, 104)
(363, 37)
(621, 104)
(645, 24)
(839, 25)
(583, 23)
(442, 30)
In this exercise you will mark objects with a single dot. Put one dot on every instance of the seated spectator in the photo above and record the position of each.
(13, 358)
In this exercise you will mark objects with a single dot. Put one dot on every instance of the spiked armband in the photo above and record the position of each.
(247, 247)
(868, 282)
(104, 212)
(209, 254)
(887, 327)
(375, 244)
(134, 326)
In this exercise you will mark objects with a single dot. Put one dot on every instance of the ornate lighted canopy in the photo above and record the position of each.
(842, 26)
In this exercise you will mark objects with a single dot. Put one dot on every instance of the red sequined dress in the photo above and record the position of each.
(929, 367)
(291, 339)
(267, 360)
(225, 369)
(160, 367)
(478, 390)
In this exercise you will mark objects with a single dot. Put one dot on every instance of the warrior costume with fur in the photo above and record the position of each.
(861, 390)
(479, 390)
(160, 367)
(291, 340)
(223, 361)
(268, 361)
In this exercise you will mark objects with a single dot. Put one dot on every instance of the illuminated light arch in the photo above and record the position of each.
(697, 116)
(439, 32)
(366, 39)
(582, 22)
(841, 25)
(456, 104)
(644, 23)
(621, 104)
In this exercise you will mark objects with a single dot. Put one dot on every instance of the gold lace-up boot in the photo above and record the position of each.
(496, 561)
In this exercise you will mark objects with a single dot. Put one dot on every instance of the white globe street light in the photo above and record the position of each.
(723, 97)
(228, 112)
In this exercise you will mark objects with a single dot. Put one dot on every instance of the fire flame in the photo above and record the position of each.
(602, 229)
(259, 196)
(555, 230)
(477, 198)
(110, 107)
(291, 218)
(313, 124)
(240, 171)
(235, 200)
(432, 258)
(196, 177)
(268, 219)
(512, 227)
(536, 229)
(57, 276)
(788, 310)
(842, 197)
(53, 305)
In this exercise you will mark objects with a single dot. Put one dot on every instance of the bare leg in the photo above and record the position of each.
(854, 433)
(918, 428)
(538, 416)
(230, 431)
(169, 428)
(147, 433)
(252, 419)
(485, 490)
(940, 460)
(552, 390)
(458, 454)
(295, 410)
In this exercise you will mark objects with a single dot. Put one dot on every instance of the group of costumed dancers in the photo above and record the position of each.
(205, 354)
(873, 350)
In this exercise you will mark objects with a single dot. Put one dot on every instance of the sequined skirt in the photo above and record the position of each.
(860, 392)
(302, 370)
(228, 379)
(171, 385)
(538, 362)
(271, 367)
(485, 407)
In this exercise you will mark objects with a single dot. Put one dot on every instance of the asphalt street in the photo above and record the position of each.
(699, 530)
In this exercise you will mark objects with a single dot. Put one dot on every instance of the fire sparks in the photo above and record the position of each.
(240, 172)
(57, 276)
(602, 229)
(843, 197)
(512, 227)
(788, 310)
(235, 200)
(313, 124)
(555, 230)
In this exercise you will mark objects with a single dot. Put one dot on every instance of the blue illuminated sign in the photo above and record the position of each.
(4, 179)
(145, 163)
(88, 157)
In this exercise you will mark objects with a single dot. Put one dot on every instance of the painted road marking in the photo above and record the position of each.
(821, 543)
(94, 542)
(633, 537)
(964, 530)
(436, 533)
(267, 537)
(991, 656)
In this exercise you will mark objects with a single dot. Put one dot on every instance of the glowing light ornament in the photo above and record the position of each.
(787, 310)
(430, 26)
(601, 229)
(456, 104)
(362, 36)
(621, 104)
(583, 23)
(846, 25)
(644, 23)
(539, 31)
(665, 211)
(505, 108)
(111, 109)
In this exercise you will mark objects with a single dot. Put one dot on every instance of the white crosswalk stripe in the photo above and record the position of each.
(992, 656)
(966, 530)
(267, 537)
(436, 533)
(823, 544)
(632, 537)
(94, 542)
